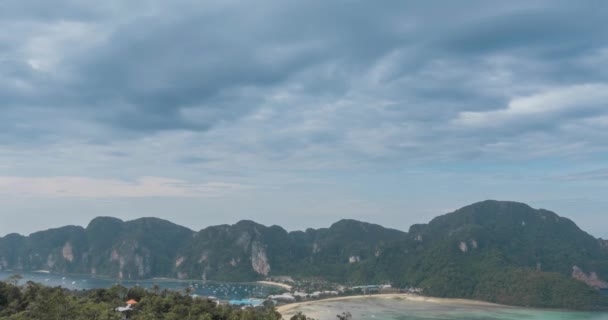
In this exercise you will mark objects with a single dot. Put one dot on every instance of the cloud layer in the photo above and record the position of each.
(300, 79)
(83, 187)
(275, 93)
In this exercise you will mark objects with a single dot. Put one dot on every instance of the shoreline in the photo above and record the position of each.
(286, 309)
(274, 284)
(153, 279)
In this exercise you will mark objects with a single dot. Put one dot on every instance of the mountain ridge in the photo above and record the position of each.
(466, 253)
(298, 230)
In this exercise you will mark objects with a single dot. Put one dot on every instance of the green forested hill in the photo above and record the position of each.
(498, 251)
(248, 250)
(35, 301)
(503, 252)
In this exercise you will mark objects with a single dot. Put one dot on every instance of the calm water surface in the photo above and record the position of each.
(221, 290)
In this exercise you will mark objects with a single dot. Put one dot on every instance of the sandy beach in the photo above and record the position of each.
(290, 308)
(276, 284)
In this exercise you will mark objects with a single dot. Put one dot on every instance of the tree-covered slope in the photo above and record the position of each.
(247, 250)
(151, 247)
(528, 237)
(503, 252)
(498, 251)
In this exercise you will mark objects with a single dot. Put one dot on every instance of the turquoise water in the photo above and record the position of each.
(400, 309)
(221, 290)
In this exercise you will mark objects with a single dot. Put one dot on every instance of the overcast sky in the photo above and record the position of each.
(300, 113)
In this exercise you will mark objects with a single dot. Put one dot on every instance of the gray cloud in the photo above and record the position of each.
(312, 84)
(317, 109)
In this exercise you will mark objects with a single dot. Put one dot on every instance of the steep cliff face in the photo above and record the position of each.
(132, 260)
(151, 247)
(242, 251)
(469, 253)
(67, 252)
(259, 260)
(108, 246)
(12, 247)
(490, 233)
(58, 250)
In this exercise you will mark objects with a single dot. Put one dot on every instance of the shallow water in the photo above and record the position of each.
(401, 309)
(221, 290)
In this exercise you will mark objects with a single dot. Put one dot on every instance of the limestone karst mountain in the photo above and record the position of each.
(497, 251)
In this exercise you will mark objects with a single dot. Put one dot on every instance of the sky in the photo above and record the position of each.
(300, 113)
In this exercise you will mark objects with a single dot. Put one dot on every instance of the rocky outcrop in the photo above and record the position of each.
(151, 247)
(463, 246)
(133, 261)
(591, 279)
(140, 264)
(68, 252)
(259, 259)
(248, 251)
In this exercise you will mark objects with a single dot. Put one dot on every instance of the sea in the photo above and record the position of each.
(400, 309)
(372, 308)
(221, 290)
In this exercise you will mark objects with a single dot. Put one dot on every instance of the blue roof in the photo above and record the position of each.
(249, 302)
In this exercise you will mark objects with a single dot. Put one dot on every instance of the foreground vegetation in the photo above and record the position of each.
(35, 301)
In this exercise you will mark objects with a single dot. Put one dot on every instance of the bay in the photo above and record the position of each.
(221, 290)
(368, 308)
